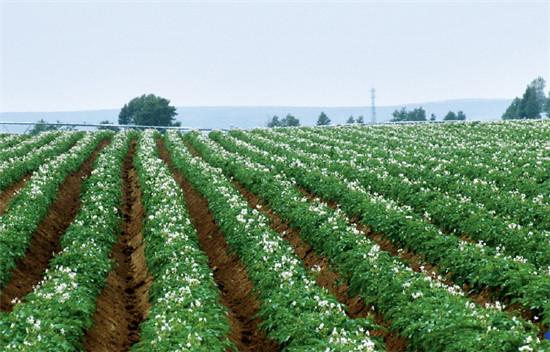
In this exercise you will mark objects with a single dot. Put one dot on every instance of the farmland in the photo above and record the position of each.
(423, 237)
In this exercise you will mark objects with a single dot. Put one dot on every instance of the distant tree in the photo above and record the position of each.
(547, 107)
(42, 126)
(417, 114)
(106, 127)
(538, 84)
(350, 119)
(148, 110)
(531, 104)
(290, 121)
(432, 117)
(530, 107)
(400, 115)
(512, 112)
(323, 120)
(360, 120)
(451, 116)
(275, 122)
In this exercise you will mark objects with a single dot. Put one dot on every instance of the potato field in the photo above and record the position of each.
(421, 237)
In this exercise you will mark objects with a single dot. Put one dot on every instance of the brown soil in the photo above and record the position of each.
(124, 302)
(229, 272)
(45, 240)
(325, 277)
(418, 264)
(9, 193)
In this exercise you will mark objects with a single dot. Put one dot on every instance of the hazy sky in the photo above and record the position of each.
(71, 55)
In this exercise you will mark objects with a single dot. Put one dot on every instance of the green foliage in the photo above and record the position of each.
(432, 117)
(452, 116)
(148, 110)
(360, 120)
(428, 314)
(184, 296)
(288, 121)
(530, 107)
(323, 120)
(275, 122)
(531, 104)
(350, 120)
(538, 85)
(31, 203)
(57, 313)
(299, 315)
(42, 126)
(518, 278)
(512, 112)
(417, 114)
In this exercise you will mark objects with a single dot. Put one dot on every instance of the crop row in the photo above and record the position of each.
(466, 263)
(14, 170)
(425, 310)
(295, 312)
(31, 204)
(27, 145)
(499, 154)
(186, 313)
(56, 314)
(418, 165)
(456, 215)
(9, 140)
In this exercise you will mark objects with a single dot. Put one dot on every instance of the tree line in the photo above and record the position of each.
(419, 114)
(533, 103)
(323, 120)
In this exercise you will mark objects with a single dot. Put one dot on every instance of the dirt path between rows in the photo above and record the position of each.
(45, 240)
(229, 272)
(124, 302)
(325, 277)
(418, 264)
(7, 195)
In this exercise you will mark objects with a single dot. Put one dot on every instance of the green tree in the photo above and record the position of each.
(148, 110)
(531, 104)
(417, 114)
(360, 119)
(547, 107)
(451, 116)
(275, 122)
(290, 121)
(432, 117)
(400, 115)
(350, 119)
(42, 126)
(323, 120)
(512, 112)
(529, 107)
(538, 84)
(460, 115)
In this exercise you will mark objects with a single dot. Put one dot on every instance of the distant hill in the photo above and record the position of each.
(257, 116)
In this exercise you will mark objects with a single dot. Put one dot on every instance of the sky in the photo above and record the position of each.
(79, 55)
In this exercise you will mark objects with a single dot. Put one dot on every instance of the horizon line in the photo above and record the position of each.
(261, 106)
